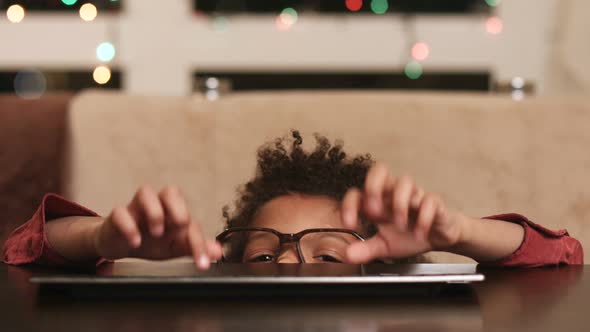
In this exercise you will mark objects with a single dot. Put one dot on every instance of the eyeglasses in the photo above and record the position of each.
(260, 245)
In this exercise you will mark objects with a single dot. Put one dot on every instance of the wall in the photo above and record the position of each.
(160, 43)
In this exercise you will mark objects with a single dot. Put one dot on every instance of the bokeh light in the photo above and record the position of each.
(287, 19)
(493, 3)
(420, 51)
(517, 83)
(101, 75)
(105, 52)
(69, 2)
(379, 6)
(494, 25)
(88, 12)
(413, 70)
(15, 13)
(30, 84)
(212, 83)
(354, 5)
(220, 23)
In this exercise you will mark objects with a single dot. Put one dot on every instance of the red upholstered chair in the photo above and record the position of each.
(32, 134)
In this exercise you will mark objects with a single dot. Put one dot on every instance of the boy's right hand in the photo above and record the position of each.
(155, 226)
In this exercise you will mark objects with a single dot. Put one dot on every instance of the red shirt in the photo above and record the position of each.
(28, 243)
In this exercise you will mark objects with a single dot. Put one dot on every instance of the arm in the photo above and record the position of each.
(486, 240)
(73, 237)
(28, 243)
(411, 221)
(153, 226)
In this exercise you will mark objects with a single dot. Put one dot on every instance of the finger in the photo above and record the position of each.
(175, 207)
(198, 246)
(416, 199)
(124, 223)
(148, 208)
(374, 188)
(214, 250)
(426, 214)
(400, 203)
(349, 210)
(366, 251)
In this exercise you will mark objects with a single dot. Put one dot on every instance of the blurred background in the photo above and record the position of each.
(212, 47)
(520, 137)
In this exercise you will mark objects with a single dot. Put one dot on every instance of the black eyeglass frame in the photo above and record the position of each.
(286, 237)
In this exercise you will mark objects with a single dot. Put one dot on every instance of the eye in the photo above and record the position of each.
(264, 258)
(327, 259)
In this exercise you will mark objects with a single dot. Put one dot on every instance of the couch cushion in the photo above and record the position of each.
(484, 154)
(117, 143)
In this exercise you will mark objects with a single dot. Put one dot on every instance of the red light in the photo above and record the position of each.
(354, 5)
(494, 25)
(420, 51)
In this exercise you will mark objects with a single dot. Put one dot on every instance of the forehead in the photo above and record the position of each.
(294, 213)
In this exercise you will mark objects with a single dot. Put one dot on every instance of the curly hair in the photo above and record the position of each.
(325, 171)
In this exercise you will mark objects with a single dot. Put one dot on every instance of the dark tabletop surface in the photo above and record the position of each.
(547, 299)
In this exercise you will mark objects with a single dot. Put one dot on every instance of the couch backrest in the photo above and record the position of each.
(484, 154)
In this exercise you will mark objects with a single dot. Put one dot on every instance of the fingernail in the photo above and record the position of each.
(158, 230)
(136, 242)
(374, 204)
(203, 262)
(348, 219)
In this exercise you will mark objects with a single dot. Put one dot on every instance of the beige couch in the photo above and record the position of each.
(484, 154)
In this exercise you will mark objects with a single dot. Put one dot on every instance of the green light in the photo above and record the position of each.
(291, 13)
(69, 2)
(105, 52)
(413, 70)
(493, 3)
(379, 6)
(220, 23)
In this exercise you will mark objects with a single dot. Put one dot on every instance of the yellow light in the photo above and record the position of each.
(88, 12)
(101, 75)
(15, 13)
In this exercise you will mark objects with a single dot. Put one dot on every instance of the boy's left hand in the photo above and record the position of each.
(410, 221)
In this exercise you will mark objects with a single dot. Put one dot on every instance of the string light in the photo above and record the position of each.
(420, 51)
(88, 12)
(220, 23)
(354, 5)
(379, 6)
(212, 83)
(493, 3)
(287, 19)
(15, 13)
(517, 83)
(494, 25)
(101, 75)
(105, 52)
(413, 70)
(69, 2)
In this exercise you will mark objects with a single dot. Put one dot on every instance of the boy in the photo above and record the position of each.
(317, 206)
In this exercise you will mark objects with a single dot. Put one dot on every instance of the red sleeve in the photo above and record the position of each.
(28, 243)
(540, 247)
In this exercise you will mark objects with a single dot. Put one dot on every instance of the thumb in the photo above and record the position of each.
(366, 251)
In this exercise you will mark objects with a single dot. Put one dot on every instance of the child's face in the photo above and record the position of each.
(294, 213)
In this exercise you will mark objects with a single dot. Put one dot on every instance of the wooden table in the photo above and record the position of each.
(550, 299)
